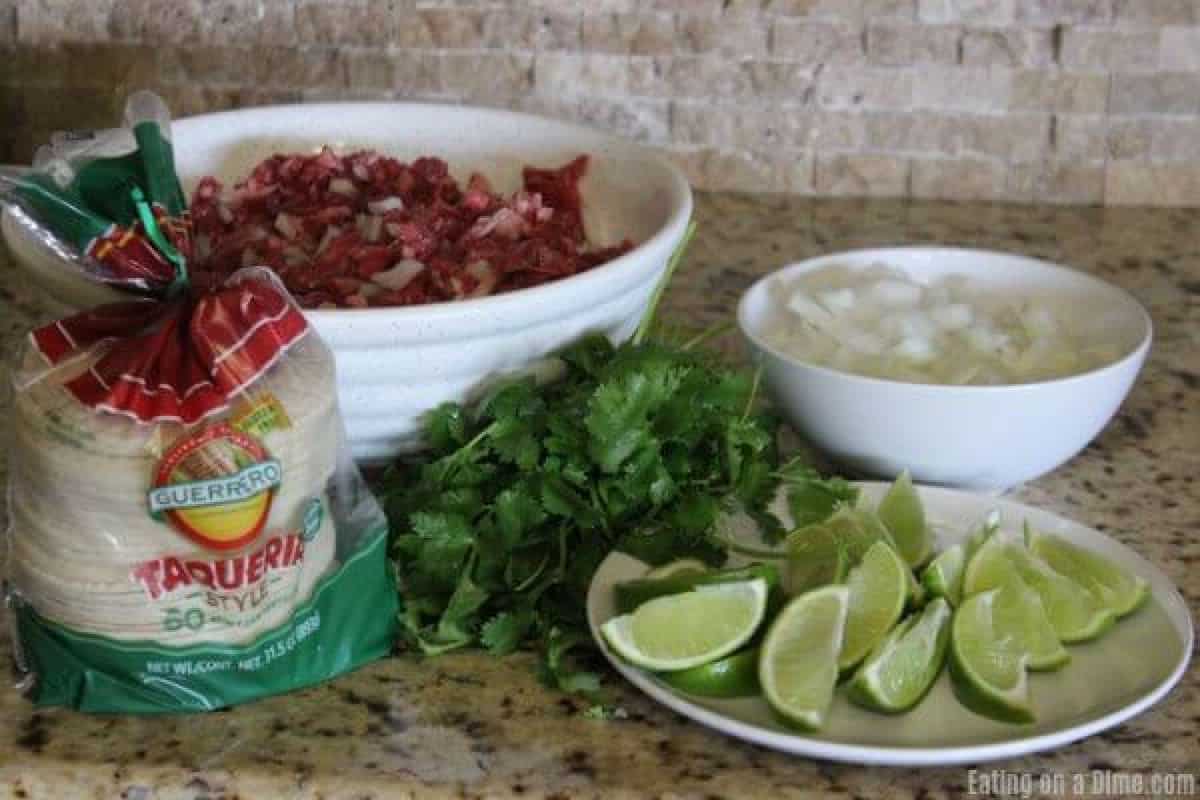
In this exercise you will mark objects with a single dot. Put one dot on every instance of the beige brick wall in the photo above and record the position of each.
(1061, 101)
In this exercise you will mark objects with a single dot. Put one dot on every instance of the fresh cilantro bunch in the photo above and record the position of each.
(639, 448)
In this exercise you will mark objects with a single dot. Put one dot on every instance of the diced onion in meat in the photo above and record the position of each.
(331, 233)
(370, 226)
(287, 225)
(343, 186)
(399, 275)
(486, 277)
(386, 204)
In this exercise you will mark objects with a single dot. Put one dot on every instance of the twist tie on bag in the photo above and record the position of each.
(169, 354)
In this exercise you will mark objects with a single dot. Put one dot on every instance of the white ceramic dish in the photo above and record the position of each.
(977, 437)
(1107, 682)
(395, 364)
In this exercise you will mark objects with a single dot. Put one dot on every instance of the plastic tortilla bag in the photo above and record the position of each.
(187, 530)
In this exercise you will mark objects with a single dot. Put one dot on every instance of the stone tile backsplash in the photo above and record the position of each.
(1061, 101)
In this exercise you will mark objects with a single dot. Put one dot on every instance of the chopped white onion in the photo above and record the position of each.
(837, 300)
(803, 306)
(343, 186)
(390, 203)
(482, 271)
(288, 225)
(370, 226)
(399, 274)
(896, 293)
(880, 322)
(331, 233)
(951, 316)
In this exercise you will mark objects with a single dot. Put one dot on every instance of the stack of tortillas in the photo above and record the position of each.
(81, 523)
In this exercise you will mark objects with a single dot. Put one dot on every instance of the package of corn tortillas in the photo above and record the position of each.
(187, 530)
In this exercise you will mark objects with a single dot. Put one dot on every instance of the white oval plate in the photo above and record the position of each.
(1106, 682)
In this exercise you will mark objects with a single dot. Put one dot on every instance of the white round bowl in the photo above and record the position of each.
(394, 364)
(977, 437)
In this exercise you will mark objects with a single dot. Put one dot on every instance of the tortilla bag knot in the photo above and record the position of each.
(187, 529)
(177, 361)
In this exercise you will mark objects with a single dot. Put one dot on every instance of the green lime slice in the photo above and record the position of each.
(1020, 614)
(984, 531)
(878, 591)
(1110, 585)
(631, 594)
(684, 566)
(798, 667)
(987, 666)
(816, 557)
(918, 595)
(686, 630)
(943, 577)
(855, 528)
(864, 530)
(732, 676)
(902, 668)
(1072, 610)
(904, 516)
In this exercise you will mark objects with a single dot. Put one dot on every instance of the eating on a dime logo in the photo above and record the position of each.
(215, 486)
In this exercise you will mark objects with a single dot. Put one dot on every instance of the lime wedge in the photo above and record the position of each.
(987, 665)
(686, 630)
(865, 530)
(1019, 613)
(988, 568)
(798, 667)
(944, 575)
(631, 594)
(856, 529)
(816, 557)
(1112, 586)
(878, 591)
(898, 673)
(732, 676)
(1072, 610)
(1021, 609)
(904, 516)
(684, 566)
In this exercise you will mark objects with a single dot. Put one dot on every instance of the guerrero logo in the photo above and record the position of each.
(215, 487)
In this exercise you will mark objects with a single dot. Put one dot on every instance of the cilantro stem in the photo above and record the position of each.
(712, 332)
(644, 326)
(753, 392)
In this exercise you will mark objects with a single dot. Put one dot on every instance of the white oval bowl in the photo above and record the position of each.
(977, 437)
(394, 364)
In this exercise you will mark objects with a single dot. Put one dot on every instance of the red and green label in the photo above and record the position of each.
(349, 621)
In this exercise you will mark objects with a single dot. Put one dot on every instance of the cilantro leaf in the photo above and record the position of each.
(446, 426)
(503, 633)
(517, 512)
(812, 498)
(456, 623)
(619, 413)
(442, 542)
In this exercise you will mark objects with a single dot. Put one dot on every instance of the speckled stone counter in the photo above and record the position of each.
(467, 725)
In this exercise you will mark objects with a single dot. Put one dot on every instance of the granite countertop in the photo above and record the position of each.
(468, 725)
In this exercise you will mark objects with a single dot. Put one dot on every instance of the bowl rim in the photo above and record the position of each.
(551, 294)
(1135, 355)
